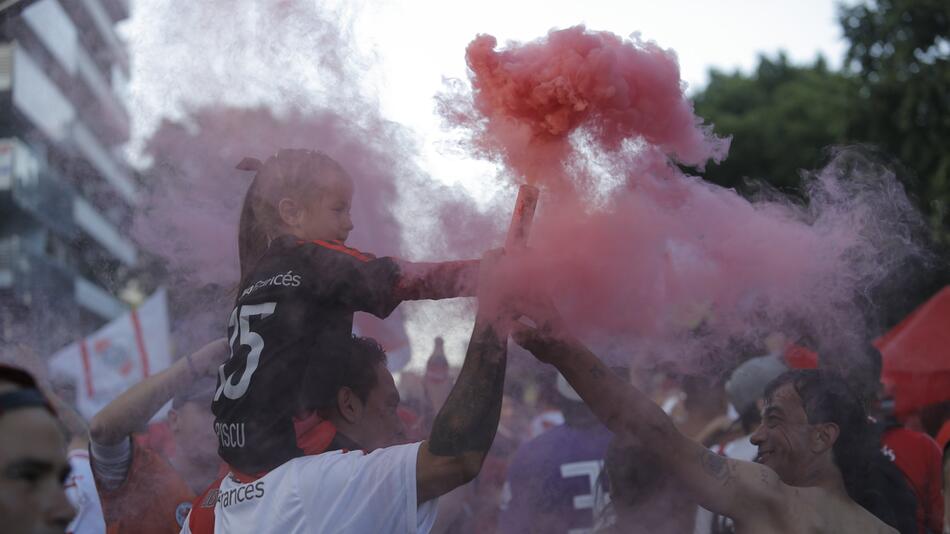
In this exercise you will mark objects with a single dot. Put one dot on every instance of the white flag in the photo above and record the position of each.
(118, 355)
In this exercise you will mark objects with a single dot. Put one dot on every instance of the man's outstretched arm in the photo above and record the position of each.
(464, 428)
(131, 410)
(725, 486)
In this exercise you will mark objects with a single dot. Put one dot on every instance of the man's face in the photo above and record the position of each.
(193, 426)
(33, 467)
(783, 436)
(380, 426)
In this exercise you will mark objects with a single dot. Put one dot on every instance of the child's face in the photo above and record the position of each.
(327, 218)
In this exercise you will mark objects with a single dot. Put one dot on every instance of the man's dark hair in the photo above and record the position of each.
(351, 364)
(870, 479)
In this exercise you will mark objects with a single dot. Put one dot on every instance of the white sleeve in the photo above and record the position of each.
(379, 488)
(185, 528)
(111, 463)
(81, 491)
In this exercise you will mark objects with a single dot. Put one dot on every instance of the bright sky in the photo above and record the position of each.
(418, 42)
(411, 45)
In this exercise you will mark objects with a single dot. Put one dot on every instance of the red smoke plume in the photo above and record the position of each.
(529, 99)
(644, 257)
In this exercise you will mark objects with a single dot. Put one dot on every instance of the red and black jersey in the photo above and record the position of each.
(297, 303)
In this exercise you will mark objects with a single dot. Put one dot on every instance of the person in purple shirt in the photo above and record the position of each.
(552, 479)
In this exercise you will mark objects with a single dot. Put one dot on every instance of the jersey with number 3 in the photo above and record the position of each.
(297, 304)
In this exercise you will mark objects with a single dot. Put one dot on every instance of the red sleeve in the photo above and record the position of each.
(358, 281)
(934, 497)
(422, 281)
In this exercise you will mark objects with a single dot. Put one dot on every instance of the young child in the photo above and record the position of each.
(300, 286)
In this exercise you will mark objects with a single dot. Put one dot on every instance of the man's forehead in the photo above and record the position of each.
(784, 397)
(31, 432)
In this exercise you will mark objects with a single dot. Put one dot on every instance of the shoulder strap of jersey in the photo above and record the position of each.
(340, 247)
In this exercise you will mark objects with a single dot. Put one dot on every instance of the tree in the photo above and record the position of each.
(781, 118)
(900, 55)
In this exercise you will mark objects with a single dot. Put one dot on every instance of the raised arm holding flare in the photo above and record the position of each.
(465, 427)
(805, 492)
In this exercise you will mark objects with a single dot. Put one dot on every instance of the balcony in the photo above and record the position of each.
(35, 189)
(52, 39)
(31, 188)
(36, 281)
(34, 96)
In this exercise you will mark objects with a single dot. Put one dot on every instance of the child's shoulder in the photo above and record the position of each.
(331, 249)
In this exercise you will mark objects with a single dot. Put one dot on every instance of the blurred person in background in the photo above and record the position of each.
(547, 408)
(80, 486)
(915, 453)
(142, 491)
(701, 412)
(33, 464)
(551, 479)
(643, 499)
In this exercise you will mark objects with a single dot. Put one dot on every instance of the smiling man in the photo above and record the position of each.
(814, 458)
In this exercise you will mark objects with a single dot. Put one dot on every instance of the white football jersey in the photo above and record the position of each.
(81, 492)
(339, 492)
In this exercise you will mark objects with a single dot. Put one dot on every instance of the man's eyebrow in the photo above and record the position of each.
(773, 410)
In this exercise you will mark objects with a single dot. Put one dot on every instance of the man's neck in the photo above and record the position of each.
(342, 442)
(197, 476)
(827, 477)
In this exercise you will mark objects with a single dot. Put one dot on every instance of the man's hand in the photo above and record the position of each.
(549, 338)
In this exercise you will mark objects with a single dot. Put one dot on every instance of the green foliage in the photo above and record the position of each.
(894, 92)
(780, 118)
(900, 54)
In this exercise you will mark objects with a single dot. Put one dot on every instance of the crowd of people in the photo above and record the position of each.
(286, 422)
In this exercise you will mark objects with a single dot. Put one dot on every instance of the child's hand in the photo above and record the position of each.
(206, 360)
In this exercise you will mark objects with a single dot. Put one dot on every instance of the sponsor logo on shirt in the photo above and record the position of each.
(210, 499)
(230, 435)
(288, 279)
(241, 494)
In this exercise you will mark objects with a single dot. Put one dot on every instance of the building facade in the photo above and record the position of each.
(66, 192)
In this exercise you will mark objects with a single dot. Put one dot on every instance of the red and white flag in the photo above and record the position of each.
(118, 355)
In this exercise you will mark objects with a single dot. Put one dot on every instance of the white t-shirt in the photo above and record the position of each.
(339, 492)
(81, 492)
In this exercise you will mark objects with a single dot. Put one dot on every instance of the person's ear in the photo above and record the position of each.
(349, 405)
(824, 437)
(290, 212)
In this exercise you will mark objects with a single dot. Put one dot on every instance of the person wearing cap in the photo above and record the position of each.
(552, 479)
(33, 465)
(141, 490)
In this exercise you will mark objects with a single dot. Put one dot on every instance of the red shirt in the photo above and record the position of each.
(153, 499)
(919, 458)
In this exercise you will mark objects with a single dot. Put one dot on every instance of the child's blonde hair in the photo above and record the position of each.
(290, 173)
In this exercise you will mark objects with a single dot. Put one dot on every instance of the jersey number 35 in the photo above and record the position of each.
(241, 335)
